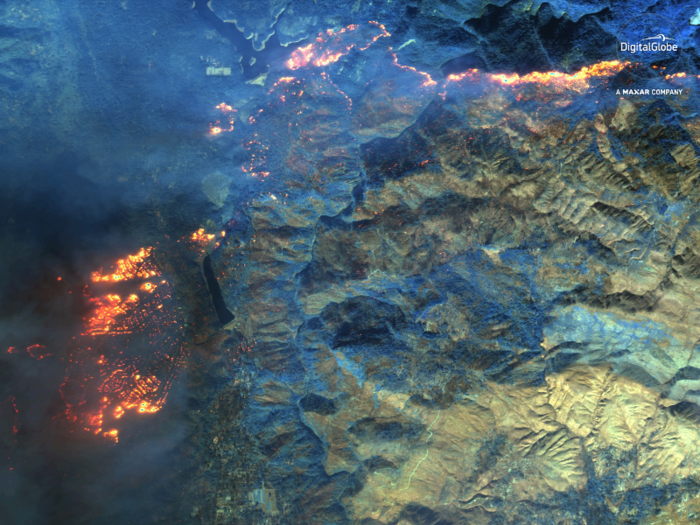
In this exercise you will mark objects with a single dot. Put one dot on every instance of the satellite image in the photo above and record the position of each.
(349, 262)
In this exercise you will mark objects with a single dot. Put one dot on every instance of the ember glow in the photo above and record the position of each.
(131, 267)
(38, 351)
(679, 75)
(258, 158)
(201, 236)
(107, 378)
(577, 80)
(201, 240)
(148, 287)
(112, 434)
(295, 95)
(301, 56)
(107, 311)
(217, 127)
(330, 46)
(428, 79)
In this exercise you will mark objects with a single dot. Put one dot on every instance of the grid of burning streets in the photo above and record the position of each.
(130, 351)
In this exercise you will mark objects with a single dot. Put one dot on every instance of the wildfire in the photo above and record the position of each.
(113, 434)
(470, 73)
(577, 80)
(35, 351)
(38, 351)
(678, 75)
(148, 287)
(108, 308)
(330, 46)
(203, 241)
(428, 79)
(131, 267)
(200, 236)
(144, 406)
(283, 80)
(301, 57)
(216, 128)
(102, 362)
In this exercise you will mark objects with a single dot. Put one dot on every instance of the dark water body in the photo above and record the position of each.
(254, 63)
(217, 299)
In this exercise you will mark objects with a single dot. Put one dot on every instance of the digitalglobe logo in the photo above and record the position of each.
(650, 42)
(654, 46)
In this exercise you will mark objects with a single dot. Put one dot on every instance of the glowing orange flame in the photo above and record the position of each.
(199, 236)
(428, 79)
(301, 57)
(144, 406)
(108, 308)
(130, 268)
(678, 75)
(327, 58)
(38, 351)
(202, 238)
(148, 287)
(466, 74)
(140, 397)
(215, 128)
(112, 434)
(579, 79)
(329, 47)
